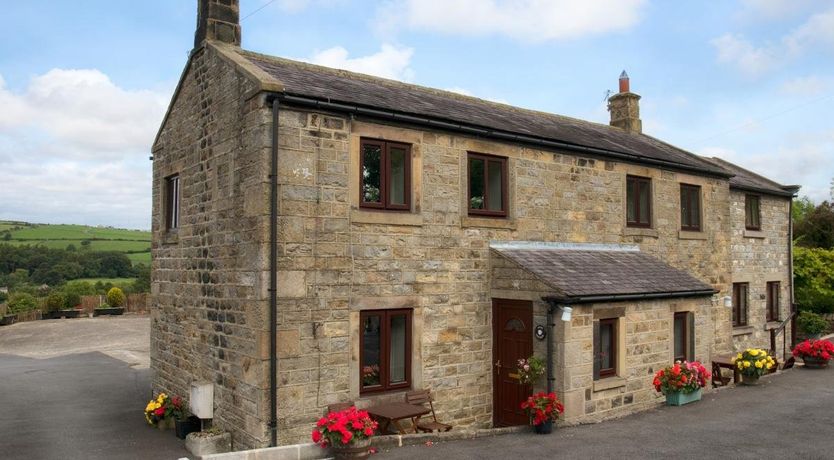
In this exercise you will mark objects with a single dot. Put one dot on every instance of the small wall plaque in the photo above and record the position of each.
(540, 332)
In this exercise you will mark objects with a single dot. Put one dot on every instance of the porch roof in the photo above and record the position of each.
(582, 273)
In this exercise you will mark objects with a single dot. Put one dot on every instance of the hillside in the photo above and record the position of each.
(135, 243)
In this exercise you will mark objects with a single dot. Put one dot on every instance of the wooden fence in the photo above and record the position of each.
(134, 303)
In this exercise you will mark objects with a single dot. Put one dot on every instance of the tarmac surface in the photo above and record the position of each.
(790, 415)
(76, 389)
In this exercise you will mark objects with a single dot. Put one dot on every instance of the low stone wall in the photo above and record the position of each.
(134, 303)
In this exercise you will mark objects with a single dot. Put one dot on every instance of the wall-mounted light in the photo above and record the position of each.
(728, 301)
(566, 313)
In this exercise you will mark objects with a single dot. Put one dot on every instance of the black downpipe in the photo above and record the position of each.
(551, 306)
(790, 274)
(273, 280)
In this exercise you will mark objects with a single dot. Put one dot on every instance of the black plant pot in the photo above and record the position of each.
(7, 320)
(68, 313)
(55, 314)
(112, 311)
(189, 425)
(543, 428)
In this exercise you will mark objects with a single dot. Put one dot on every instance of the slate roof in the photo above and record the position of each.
(581, 271)
(748, 180)
(339, 86)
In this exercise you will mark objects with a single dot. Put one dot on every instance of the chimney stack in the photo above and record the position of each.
(218, 20)
(625, 107)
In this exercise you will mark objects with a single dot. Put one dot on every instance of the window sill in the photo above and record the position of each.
(609, 383)
(489, 222)
(754, 234)
(690, 235)
(360, 216)
(743, 330)
(170, 237)
(637, 231)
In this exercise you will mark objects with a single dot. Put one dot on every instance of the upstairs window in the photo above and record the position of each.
(172, 202)
(385, 175)
(752, 216)
(385, 353)
(773, 288)
(690, 208)
(740, 291)
(638, 201)
(487, 185)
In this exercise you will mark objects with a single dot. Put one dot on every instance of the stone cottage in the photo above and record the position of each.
(323, 236)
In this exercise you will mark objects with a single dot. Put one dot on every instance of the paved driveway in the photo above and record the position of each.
(790, 416)
(60, 399)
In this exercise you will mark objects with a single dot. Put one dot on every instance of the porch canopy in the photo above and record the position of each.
(586, 273)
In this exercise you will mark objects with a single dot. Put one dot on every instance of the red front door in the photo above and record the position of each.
(512, 325)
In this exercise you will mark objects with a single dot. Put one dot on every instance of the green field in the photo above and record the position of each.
(135, 243)
(106, 280)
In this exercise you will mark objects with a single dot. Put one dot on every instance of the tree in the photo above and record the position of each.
(7, 236)
(814, 279)
(143, 279)
(816, 230)
(801, 208)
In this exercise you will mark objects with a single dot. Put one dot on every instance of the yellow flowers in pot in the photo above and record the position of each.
(754, 362)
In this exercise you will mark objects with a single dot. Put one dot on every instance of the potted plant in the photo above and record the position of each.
(529, 370)
(19, 302)
(543, 409)
(812, 324)
(71, 301)
(814, 353)
(53, 305)
(115, 303)
(347, 432)
(681, 382)
(7, 319)
(160, 412)
(752, 364)
(183, 424)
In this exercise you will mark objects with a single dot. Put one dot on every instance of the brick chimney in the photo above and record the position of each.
(625, 107)
(218, 20)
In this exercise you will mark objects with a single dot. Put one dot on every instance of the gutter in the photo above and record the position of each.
(273, 279)
(489, 133)
(570, 300)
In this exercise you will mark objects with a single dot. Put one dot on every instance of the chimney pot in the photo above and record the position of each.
(625, 87)
(219, 21)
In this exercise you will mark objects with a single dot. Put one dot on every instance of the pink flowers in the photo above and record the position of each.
(343, 427)
(819, 349)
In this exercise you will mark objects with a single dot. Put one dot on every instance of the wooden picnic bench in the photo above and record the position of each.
(391, 414)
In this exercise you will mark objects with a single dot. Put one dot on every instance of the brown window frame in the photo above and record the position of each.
(612, 371)
(385, 175)
(504, 185)
(749, 224)
(636, 182)
(173, 196)
(689, 191)
(385, 349)
(773, 291)
(739, 319)
(685, 339)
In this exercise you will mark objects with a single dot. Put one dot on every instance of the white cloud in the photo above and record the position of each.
(525, 20)
(805, 86)
(74, 149)
(83, 112)
(389, 62)
(755, 60)
(750, 60)
(774, 9)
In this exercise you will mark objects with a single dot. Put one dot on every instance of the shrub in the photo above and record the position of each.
(71, 299)
(55, 301)
(812, 323)
(115, 297)
(21, 302)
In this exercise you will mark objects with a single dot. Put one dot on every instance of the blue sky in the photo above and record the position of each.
(84, 85)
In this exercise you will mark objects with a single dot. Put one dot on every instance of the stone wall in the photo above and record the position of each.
(759, 257)
(207, 307)
(338, 259)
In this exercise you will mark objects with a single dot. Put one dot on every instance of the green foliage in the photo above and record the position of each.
(71, 300)
(143, 279)
(816, 229)
(7, 236)
(55, 301)
(811, 323)
(801, 208)
(21, 302)
(814, 279)
(41, 265)
(115, 297)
